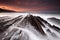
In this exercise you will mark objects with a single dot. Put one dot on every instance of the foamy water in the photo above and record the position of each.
(31, 33)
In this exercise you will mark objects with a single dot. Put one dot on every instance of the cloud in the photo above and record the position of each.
(30, 5)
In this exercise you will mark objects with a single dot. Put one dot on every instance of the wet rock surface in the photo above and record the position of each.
(24, 28)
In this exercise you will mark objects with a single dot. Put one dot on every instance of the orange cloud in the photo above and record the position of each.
(31, 9)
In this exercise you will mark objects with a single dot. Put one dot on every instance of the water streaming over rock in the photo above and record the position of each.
(28, 27)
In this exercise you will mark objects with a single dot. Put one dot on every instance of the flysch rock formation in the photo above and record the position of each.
(28, 27)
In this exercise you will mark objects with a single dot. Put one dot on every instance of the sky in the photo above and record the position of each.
(30, 5)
